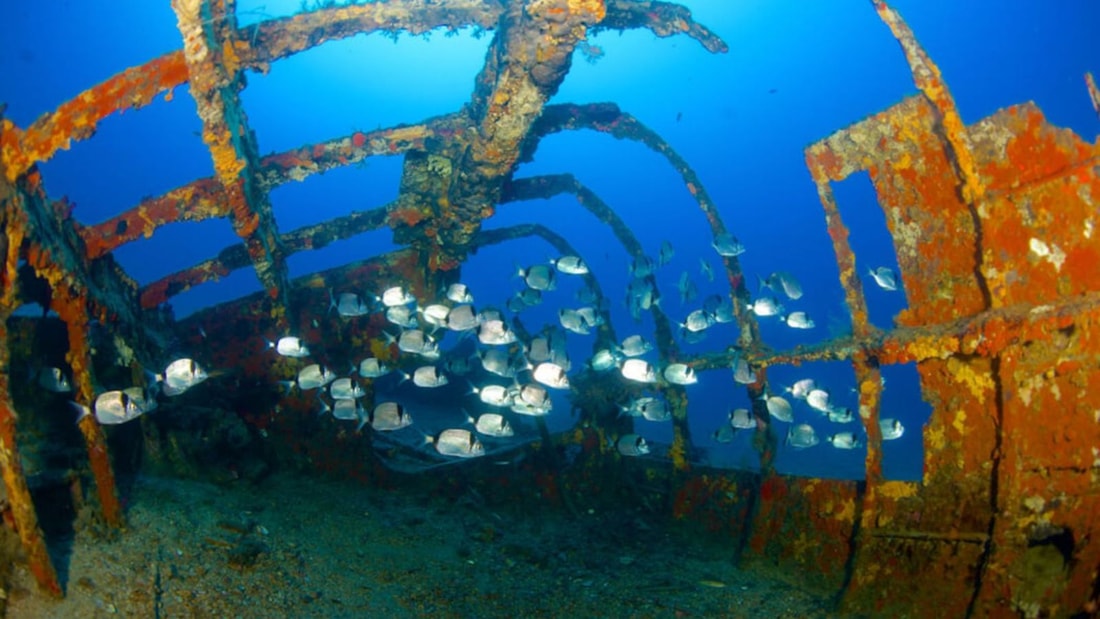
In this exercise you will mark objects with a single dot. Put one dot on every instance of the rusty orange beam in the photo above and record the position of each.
(15, 483)
(214, 76)
(1094, 92)
(257, 47)
(236, 256)
(206, 198)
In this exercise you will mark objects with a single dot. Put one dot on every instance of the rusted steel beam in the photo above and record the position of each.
(664, 19)
(528, 58)
(15, 481)
(208, 28)
(71, 309)
(11, 465)
(76, 119)
(236, 256)
(1094, 92)
(206, 198)
(258, 45)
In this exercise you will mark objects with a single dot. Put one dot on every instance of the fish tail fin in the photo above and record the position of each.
(82, 411)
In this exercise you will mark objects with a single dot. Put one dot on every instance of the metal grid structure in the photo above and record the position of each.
(992, 224)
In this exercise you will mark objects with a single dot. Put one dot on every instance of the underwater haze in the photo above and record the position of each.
(795, 72)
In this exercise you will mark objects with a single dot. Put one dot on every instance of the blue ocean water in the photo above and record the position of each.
(795, 73)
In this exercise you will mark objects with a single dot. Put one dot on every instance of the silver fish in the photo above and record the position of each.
(650, 409)
(779, 408)
(533, 394)
(818, 399)
(550, 374)
(389, 416)
(495, 333)
(891, 428)
(603, 360)
(686, 288)
(523, 408)
(53, 379)
(290, 347)
(345, 389)
(885, 278)
(742, 372)
(538, 350)
(313, 376)
(800, 389)
(799, 320)
(346, 410)
(632, 445)
(498, 361)
(742, 419)
(181, 375)
(666, 253)
(698, 320)
(417, 342)
(402, 316)
(802, 436)
(680, 374)
(494, 395)
(765, 306)
(458, 443)
(704, 268)
(634, 346)
(590, 316)
(638, 370)
(459, 293)
(785, 282)
(145, 399)
(845, 440)
(371, 367)
(840, 414)
(462, 318)
(727, 245)
(348, 304)
(395, 296)
(115, 407)
(642, 267)
(724, 433)
(492, 424)
(537, 277)
(429, 376)
(572, 321)
(435, 314)
(570, 265)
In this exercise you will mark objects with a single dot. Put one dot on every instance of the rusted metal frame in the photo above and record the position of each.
(527, 61)
(55, 253)
(1094, 92)
(605, 333)
(928, 79)
(986, 334)
(76, 119)
(664, 19)
(206, 198)
(265, 42)
(138, 86)
(215, 79)
(236, 257)
(11, 464)
(15, 480)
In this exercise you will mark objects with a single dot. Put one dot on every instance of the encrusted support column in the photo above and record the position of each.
(214, 74)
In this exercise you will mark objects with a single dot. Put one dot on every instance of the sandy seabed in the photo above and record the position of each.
(300, 547)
